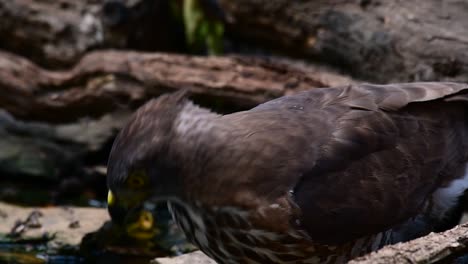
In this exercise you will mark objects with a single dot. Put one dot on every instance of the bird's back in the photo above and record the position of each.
(368, 156)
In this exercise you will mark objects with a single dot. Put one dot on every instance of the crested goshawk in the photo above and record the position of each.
(320, 176)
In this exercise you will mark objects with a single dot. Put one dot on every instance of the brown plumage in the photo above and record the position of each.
(320, 176)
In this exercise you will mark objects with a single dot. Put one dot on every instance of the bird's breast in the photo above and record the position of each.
(226, 235)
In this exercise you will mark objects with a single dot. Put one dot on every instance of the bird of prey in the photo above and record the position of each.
(321, 176)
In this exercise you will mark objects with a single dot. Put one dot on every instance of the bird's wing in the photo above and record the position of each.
(385, 149)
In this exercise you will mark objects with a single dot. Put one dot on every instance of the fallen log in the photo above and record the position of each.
(106, 81)
(378, 41)
(56, 34)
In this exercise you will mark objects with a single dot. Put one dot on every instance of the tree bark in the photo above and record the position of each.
(374, 40)
(442, 247)
(103, 82)
(378, 41)
(55, 34)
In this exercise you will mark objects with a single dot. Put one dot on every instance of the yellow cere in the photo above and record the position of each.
(110, 198)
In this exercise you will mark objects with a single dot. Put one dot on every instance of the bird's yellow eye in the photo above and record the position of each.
(137, 179)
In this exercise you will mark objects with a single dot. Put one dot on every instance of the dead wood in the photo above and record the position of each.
(379, 41)
(55, 34)
(434, 248)
(106, 81)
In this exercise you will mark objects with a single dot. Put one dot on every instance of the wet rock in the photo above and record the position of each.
(74, 224)
(54, 223)
(32, 221)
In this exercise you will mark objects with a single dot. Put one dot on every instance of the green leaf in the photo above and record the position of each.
(201, 31)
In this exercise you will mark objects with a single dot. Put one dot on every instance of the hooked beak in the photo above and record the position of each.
(120, 209)
(138, 222)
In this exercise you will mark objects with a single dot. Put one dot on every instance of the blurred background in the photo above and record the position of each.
(71, 73)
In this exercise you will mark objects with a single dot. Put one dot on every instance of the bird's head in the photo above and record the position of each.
(141, 166)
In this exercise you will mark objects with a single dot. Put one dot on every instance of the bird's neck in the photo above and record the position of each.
(202, 140)
(193, 122)
(193, 135)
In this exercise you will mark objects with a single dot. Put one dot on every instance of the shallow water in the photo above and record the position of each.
(101, 246)
(28, 254)
(33, 254)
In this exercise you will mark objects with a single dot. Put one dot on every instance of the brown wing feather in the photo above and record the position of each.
(359, 158)
(389, 147)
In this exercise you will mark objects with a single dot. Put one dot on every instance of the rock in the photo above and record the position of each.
(196, 257)
(65, 157)
(77, 232)
(53, 223)
(31, 149)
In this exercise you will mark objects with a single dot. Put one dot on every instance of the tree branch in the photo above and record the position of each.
(432, 248)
